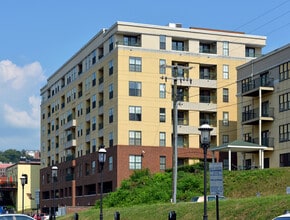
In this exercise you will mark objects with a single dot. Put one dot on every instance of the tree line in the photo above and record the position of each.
(13, 156)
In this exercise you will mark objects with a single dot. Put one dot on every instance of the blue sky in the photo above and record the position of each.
(37, 37)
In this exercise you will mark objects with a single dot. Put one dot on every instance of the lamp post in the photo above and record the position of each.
(54, 170)
(23, 182)
(102, 159)
(205, 130)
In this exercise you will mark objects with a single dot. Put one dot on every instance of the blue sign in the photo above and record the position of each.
(216, 179)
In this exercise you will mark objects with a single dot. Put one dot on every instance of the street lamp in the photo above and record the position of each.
(102, 159)
(23, 182)
(205, 130)
(54, 170)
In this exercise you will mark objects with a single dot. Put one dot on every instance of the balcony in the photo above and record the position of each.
(129, 40)
(207, 47)
(251, 117)
(208, 72)
(268, 141)
(71, 124)
(251, 87)
(211, 122)
(207, 99)
(70, 144)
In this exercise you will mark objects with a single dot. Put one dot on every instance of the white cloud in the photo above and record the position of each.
(18, 77)
(23, 118)
(19, 94)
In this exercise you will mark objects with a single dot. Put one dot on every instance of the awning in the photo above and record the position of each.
(244, 147)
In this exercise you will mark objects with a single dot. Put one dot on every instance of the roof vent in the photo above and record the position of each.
(175, 25)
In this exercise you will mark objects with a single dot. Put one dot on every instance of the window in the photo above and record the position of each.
(284, 102)
(94, 100)
(111, 115)
(178, 45)
(94, 144)
(162, 139)
(162, 162)
(131, 41)
(111, 139)
(250, 52)
(225, 139)
(135, 113)
(225, 48)
(111, 91)
(111, 43)
(111, 67)
(162, 90)
(284, 133)
(247, 137)
(135, 88)
(110, 159)
(93, 167)
(162, 45)
(284, 71)
(80, 130)
(162, 66)
(93, 79)
(135, 138)
(225, 118)
(226, 71)
(94, 123)
(285, 161)
(135, 162)
(162, 115)
(225, 95)
(135, 64)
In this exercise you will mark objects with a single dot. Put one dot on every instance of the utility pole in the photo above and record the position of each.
(174, 78)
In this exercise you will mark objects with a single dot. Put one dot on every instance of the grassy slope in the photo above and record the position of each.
(240, 187)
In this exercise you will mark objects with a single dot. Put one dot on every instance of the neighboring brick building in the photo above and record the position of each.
(117, 91)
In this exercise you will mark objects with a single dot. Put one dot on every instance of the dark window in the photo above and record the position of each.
(135, 88)
(162, 115)
(135, 113)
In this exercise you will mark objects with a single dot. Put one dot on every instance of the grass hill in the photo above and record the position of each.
(146, 196)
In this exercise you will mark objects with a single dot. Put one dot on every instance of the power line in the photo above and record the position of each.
(263, 14)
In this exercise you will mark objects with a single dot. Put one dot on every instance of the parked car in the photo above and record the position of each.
(15, 217)
(209, 198)
(40, 216)
(285, 216)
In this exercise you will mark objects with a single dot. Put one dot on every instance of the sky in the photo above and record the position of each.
(38, 37)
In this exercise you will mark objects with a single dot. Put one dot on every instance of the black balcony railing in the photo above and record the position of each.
(254, 114)
(268, 142)
(256, 83)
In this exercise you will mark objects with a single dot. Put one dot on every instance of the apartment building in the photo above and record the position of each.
(263, 106)
(116, 91)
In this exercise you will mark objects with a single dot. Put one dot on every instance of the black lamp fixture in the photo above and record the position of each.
(23, 180)
(205, 130)
(102, 159)
(54, 170)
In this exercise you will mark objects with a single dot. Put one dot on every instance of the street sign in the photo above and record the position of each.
(216, 179)
(37, 196)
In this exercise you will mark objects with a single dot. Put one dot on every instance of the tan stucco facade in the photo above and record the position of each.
(87, 102)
